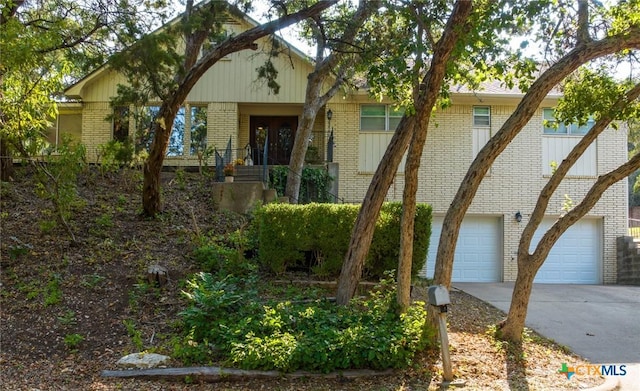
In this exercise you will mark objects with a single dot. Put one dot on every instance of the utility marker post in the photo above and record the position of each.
(439, 297)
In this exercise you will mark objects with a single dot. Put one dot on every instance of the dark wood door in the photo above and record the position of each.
(281, 131)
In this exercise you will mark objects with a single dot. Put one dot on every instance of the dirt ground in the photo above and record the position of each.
(69, 310)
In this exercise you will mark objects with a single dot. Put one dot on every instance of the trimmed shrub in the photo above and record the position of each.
(287, 234)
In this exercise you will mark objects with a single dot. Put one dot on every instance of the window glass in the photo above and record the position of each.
(549, 123)
(145, 117)
(379, 117)
(176, 140)
(551, 126)
(481, 116)
(395, 115)
(372, 110)
(198, 130)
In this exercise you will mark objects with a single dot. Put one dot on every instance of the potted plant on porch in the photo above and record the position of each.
(229, 171)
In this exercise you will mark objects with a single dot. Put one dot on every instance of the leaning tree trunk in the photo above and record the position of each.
(512, 330)
(407, 221)
(528, 265)
(314, 100)
(151, 196)
(296, 162)
(364, 227)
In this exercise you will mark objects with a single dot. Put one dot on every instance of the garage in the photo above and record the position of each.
(478, 256)
(577, 256)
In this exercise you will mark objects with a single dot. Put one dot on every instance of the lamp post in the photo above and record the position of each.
(330, 143)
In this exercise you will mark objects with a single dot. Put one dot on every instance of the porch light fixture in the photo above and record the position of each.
(518, 216)
(330, 143)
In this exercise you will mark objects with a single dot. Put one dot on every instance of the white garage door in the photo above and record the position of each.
(576, 257)
(478, 251)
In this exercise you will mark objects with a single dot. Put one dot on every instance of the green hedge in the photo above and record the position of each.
(286, 232)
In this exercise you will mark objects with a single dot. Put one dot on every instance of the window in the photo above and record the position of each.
(198, 130)
(379, 117)
(145, 116)
(481, 116)
(551, 125)
(121, 123)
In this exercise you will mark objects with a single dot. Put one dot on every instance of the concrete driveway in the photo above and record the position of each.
(599, 322)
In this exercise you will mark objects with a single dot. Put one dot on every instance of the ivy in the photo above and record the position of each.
(315, 183)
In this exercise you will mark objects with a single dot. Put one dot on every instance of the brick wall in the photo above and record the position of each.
(96, 130)
(628, 261)
(513, 184)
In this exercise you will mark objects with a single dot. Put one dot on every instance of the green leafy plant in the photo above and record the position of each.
(57, 176)
(225, 254)
(225, 320)
(104, 220)
(53, 291)
(92, 280)
(114, 155)
(314, 184)
(68, 318)
(18, 248)
(180, 178)
(134, 333)
(72, 341)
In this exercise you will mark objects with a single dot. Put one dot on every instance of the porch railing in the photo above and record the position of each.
(253, 164)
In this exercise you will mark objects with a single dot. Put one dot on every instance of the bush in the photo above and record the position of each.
(288, 233)
(226, 321)
(225, 254)
(114, 155)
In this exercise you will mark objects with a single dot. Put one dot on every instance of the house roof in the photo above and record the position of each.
(496, 88)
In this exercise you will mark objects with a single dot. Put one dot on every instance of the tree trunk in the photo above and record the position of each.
(512, 329)
(527, 107)
(364, 227)
(528, 265)
(6, 161)
(299, 150)
(313, 98)
(407, 222)
(151, 193)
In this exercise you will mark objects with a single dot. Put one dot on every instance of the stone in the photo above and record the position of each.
(142, 360)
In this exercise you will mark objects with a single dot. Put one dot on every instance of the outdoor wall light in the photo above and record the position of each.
(329, 114)
(518, 216)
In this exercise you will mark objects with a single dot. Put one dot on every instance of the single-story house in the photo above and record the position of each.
(228, 103)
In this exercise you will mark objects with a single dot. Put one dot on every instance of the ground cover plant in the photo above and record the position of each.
(228, 321)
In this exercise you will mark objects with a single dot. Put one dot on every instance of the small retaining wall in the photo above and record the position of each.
(628, 261)
(241, 197)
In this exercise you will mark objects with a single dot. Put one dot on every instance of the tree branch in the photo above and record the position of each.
(583, 22)
(589, 201)
(554, 182)
(245, 40)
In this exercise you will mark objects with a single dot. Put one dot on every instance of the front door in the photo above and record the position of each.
(281, 131)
